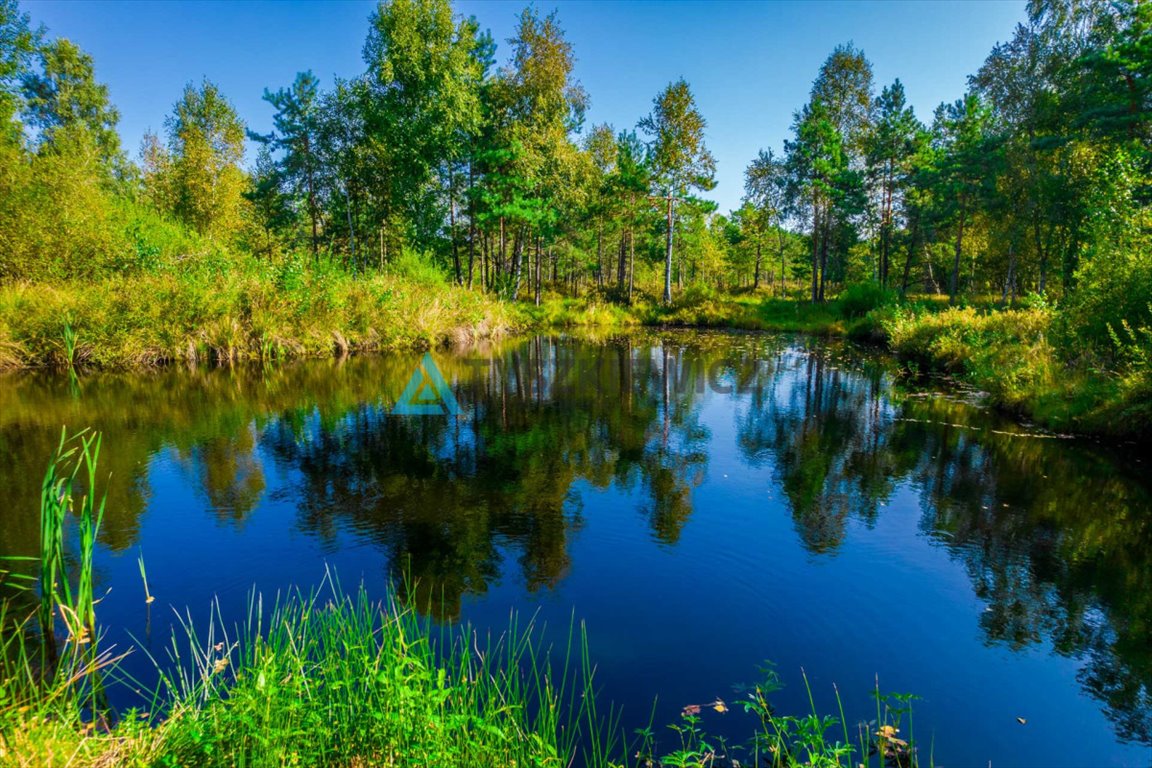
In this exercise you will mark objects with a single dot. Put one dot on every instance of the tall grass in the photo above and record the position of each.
(328, 678)
(235, 313)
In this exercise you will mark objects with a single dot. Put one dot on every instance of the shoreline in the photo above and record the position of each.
(145, 323)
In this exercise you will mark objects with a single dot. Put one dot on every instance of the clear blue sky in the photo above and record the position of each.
(750, 64)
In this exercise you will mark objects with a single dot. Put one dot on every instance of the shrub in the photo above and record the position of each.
(860, 299)
(418, 268)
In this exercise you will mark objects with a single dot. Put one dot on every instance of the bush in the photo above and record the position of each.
(418, 268)
(860, 299)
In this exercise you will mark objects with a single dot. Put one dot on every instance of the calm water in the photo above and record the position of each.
(703, 502)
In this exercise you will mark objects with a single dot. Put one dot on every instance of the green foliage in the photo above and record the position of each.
(860, 299)
(418, 269)
(1114, 278)
(63, 99)
(198, 178)
(1134, 345)
(16, 45)
(329, 678)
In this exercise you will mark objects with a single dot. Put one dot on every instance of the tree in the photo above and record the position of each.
(1117, 89)
(766, 188)
(826, 158)
(206, 144)
(532, 170)
(419, 100)
(960, 134)
(295, 136)
(817, 165)
(844, 88)
(272, 207)
(890, 149)
(631, 183)
(17, 43)
(680, 160)
(600, 145)
(65, 104)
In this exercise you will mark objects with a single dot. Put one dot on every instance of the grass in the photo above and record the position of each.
(1029, 365)
(327, 678)
(234, 313)
(693, 308)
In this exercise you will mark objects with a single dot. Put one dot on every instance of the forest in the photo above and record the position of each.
(693, 506)
(455, 190)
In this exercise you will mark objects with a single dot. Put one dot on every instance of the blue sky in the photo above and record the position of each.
(750, 64)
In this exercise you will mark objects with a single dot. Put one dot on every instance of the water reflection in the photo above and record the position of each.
(1053, 535)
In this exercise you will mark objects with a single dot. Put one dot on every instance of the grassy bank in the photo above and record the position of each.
(1031, 365)
(1027, 360)
(252, 311)
(328, 678)
(695, 308)
(233, 314)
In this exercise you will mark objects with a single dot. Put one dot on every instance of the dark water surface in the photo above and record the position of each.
(703, 502)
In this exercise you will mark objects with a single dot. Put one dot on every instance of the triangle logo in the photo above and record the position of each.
(427, 394)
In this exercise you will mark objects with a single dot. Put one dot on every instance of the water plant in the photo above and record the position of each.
(74, 456)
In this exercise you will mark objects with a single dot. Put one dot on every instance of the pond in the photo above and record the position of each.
(702, 502)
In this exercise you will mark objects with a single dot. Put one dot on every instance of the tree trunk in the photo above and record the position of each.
(452, 227)
(517, 262)
(621, 259)
(756, 272)
(668, 256)
(599, 253)
(351, 230)
(1041, 252)
(631, 262)
(908, 257)
(312, 212)
(471, 226)
(780, 239)
(823, 261)
(954, 287)
(886, 228)
(815, 251)
(538, 272)
(1010, 278)
(500, 254)
(484, 277)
